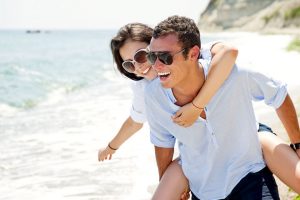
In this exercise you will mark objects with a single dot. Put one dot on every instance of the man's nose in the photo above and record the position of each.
(158, 64)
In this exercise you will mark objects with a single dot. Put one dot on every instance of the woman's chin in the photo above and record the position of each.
(150, 75)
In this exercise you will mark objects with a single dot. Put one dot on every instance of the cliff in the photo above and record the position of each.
(251, 15)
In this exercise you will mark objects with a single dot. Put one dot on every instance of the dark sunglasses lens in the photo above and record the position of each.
(140, 57)
(128, 66)
(166, 58)
(151, 57)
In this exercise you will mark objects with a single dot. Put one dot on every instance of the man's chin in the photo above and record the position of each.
(165, 85)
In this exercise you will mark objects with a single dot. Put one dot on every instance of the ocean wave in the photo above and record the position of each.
(58, 94)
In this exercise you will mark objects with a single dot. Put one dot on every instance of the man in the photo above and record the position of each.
(220, 153)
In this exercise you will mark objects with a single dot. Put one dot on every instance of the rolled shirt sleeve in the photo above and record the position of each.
(160, 137)
(273, 92)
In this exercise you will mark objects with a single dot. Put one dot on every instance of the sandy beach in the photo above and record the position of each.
(57, 158)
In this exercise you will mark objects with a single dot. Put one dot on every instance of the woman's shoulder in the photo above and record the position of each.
(139, 86)
(205, 64)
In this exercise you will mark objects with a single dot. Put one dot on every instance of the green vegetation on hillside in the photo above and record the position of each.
(293, 13)
(267, 18)
(294, 44)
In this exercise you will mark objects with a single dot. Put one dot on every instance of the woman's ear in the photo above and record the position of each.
(194, 52)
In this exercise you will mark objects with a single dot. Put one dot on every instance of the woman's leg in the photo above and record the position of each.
(281, 159)
(172, 184)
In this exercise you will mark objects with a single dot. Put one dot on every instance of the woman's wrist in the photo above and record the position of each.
(198, 107)
(112, 148)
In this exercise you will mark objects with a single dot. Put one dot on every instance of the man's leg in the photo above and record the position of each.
(172, 184)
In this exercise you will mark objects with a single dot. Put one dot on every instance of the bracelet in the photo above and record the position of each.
(295, 146)
(111, 147)
(197, 106)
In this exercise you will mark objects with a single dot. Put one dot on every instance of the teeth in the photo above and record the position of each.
(146, 70)
(163, 73)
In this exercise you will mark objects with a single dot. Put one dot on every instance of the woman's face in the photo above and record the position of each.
(127, 52)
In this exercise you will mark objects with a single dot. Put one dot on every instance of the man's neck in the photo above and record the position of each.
(189, 88)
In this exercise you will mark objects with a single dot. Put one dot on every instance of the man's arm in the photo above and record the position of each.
(287, 114)
(164, 157)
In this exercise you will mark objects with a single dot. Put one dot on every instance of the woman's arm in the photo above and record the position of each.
(223, 59)
(128, 128)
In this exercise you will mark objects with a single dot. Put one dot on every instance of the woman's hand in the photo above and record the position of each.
(105, 154)
(185, 195)
(186, 115)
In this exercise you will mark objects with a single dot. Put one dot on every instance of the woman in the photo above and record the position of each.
(129, 54)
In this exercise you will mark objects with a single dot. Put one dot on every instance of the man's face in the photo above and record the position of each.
(170, 75)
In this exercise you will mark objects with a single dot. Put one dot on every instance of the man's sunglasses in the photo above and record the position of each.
(164, 56)
(139, 57)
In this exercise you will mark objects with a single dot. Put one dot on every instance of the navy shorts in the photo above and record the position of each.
(255, 186)
(263, 127)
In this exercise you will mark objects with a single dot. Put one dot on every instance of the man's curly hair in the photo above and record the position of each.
(185, 28)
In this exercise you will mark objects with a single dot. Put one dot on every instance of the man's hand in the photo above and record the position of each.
(185, 195)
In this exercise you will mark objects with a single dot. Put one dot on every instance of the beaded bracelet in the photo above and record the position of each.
(111, 147)
(197, 106)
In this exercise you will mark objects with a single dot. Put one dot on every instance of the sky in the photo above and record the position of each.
(92, 14)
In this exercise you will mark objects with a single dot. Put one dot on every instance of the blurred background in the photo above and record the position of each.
(61, 97)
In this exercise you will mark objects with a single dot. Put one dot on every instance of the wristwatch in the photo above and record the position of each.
(295, 146)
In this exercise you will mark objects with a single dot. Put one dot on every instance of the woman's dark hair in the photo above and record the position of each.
(135, 32)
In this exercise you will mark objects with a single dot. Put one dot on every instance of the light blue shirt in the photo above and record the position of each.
(218, 152)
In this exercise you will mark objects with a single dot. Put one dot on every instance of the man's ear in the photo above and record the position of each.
(194, 52)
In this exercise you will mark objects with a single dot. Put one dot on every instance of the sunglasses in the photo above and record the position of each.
(139, 57)
(164, 57)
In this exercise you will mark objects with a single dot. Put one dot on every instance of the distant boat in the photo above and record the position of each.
(33, 31)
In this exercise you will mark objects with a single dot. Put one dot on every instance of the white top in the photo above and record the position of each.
(137, 111)
(218, 152)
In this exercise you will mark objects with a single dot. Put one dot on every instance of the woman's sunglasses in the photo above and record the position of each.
(139, 57)
(164, 57)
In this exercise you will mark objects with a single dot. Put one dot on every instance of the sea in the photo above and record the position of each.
(61, 100)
